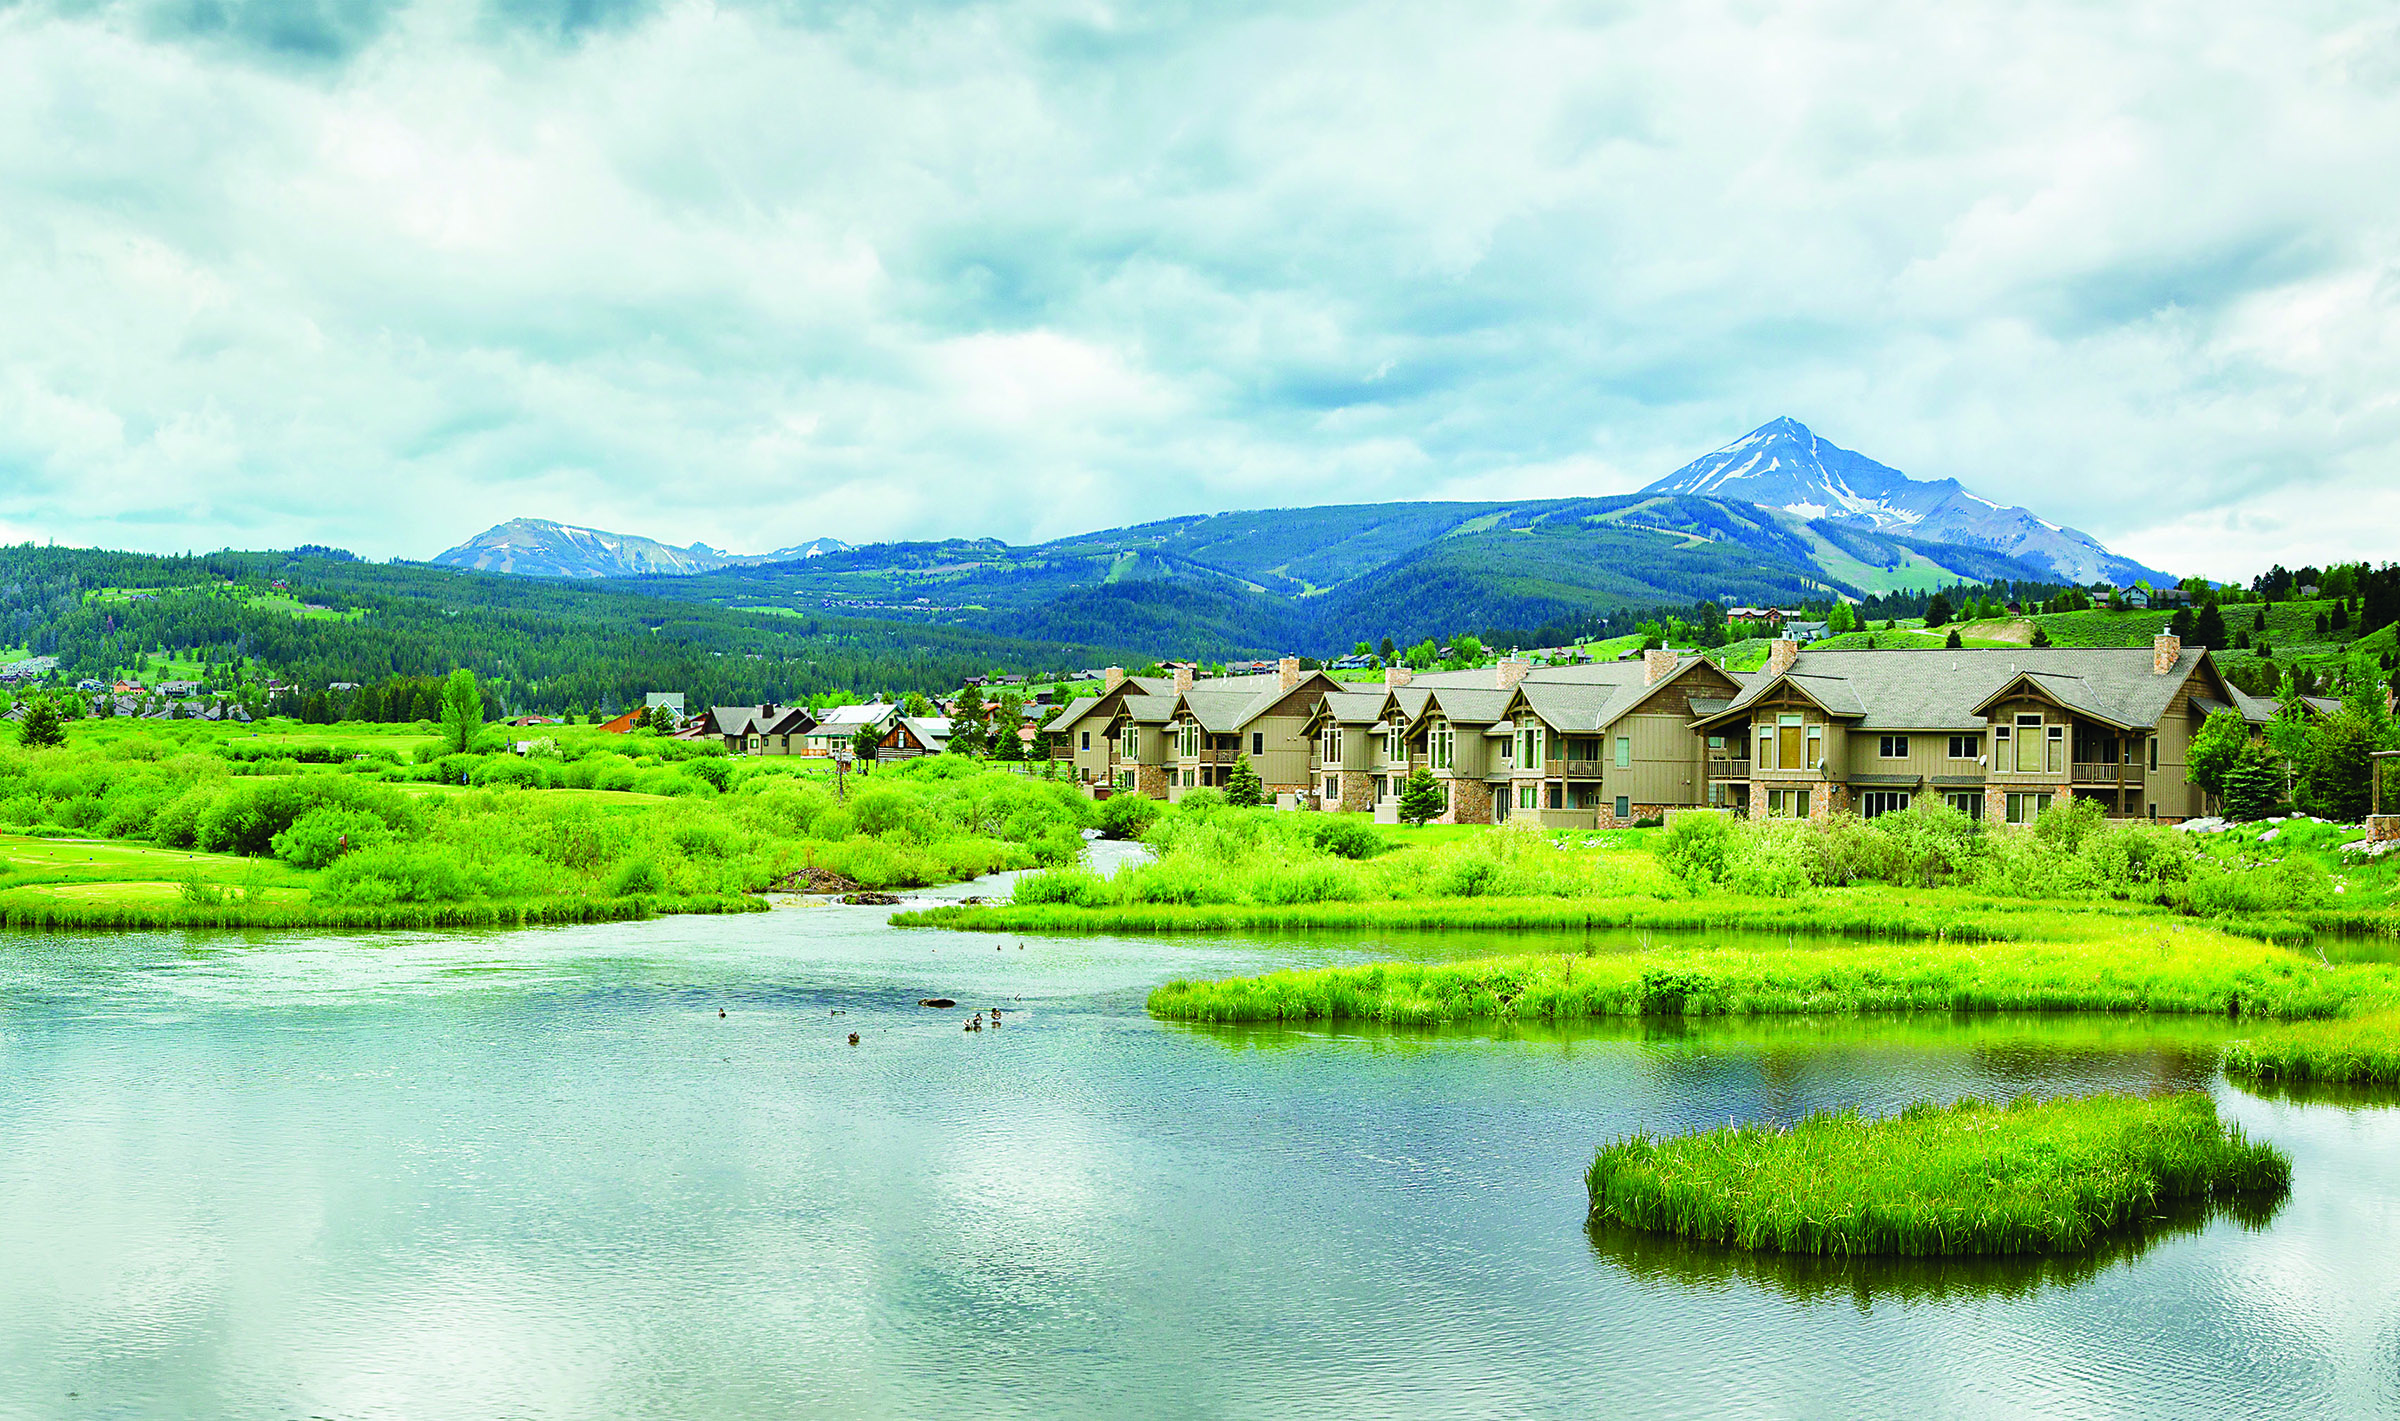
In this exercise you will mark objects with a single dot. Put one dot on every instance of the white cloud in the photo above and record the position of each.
(721, 271)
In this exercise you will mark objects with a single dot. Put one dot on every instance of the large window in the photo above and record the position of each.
(1624, 808)
(1624, 752)
(1190, 749)
(1395, 744)
(1529, 748)
(2030, 752)
(1882, 801)
(1787, 742)
(1967, 802)
(1525, 795)
(1966, 747)
(1332, 747)
(1894, 747)
(1787, 803)
(1133, 742)
(2058, 749)
(2025, 808)
(1440, 743)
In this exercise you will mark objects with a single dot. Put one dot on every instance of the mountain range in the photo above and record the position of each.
(1776, 517)
(1783, 465)
(538, 547)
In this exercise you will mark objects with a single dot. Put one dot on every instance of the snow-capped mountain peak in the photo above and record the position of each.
(1783, 464)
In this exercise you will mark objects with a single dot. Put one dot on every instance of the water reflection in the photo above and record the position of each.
(1865, 1280)
(2345, 1094)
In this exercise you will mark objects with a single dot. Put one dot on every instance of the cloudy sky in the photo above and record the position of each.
(381, 273)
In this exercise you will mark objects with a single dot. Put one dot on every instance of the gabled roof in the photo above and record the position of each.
(931, 730)
(1597, 695)
(1939, 689)
(847, 720)
(1070, 713)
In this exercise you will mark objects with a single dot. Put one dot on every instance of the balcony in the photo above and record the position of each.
(1723, 768)
(1580, 769)
(2087, 773)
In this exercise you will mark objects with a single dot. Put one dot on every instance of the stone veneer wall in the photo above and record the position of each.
(1150, 780)
(1995, 798)
(1470, 803)
(2383, 828)
(1358, 791)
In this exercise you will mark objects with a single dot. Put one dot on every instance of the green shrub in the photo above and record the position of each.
(325, 833)
(1345, 836)
(713, 770)
(1125, 815)
(636, 876)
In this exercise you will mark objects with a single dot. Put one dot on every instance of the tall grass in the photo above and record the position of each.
(1970, 1178)
(369, 852)
(2170, 969)
(2362, 1050)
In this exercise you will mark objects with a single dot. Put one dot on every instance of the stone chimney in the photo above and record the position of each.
(1510, 671)
(2165, 651)
(1781, 653)
(1394, 677)
(1287, 673)
(1183, 679)
(1658, 664)
(1112, 678)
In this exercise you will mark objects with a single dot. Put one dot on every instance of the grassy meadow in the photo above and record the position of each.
(2034, 1176)
(144, 823)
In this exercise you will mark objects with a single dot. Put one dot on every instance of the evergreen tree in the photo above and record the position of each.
(1421, 798)
(863, 746)
(2209, 629)
(2041, 635)
(2258, 622)
(1242, 788)
(1954, 643)
(915, 705)
(968, 735)
(1386, 652)
(2253, 784)
(1937, 611)
(41, 728)
(1008, 718)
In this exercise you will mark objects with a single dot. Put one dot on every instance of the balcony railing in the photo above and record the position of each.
(1581, 769)
(2096, 774)
(1723, 768)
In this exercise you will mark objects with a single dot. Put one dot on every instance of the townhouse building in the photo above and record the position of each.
(1164, 735)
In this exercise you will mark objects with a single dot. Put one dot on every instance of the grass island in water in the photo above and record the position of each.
(2051, 1176)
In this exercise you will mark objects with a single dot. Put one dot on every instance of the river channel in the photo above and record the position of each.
(637, 1170)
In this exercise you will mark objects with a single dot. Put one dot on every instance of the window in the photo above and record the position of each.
(2154, 765)
(1332, 792)
(1332, 748)
(1816, 748)
(1766, 748)
(1258, 742)
(1624, 752)
(1624, 807)
(2058, 749)
(1395, 744)
(1087, 740)
(1529, 748)
(1525, 795)
(2030, 754)
(1894, 747)
(1133, 742)
(1787, 803)
(1966, 747)
(2154, 809)
(2025, 808)
(1440, 743)
(1558, 795)
(1190, 748)
(1188, 779)
(1124, 779)
(1968, 803)
(1882, 801)
(1787, 742)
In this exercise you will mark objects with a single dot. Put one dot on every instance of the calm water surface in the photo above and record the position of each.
(536, 1174)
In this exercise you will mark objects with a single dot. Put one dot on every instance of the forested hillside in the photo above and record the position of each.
(538, 644)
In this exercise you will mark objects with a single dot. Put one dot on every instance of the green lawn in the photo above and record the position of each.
(118, 871)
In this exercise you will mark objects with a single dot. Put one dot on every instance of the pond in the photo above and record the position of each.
(538, 1174)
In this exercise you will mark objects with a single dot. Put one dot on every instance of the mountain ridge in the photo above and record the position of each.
(544, 547)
